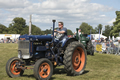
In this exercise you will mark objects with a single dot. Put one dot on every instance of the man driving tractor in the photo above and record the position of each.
(61, 32)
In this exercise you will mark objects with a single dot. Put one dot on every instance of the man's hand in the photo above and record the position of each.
(55, 30)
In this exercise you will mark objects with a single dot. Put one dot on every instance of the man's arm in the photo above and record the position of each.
(61, 32)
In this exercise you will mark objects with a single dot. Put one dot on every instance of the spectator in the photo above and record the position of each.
(93, 41)
(103, 46)
(108, 47)
(79, 32)
(2, 40)
(113, 48)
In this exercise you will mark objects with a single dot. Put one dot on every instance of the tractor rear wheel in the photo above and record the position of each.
(75, 58)
(43, 69)
(11, 68)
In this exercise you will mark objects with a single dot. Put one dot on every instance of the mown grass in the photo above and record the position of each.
(99, 67)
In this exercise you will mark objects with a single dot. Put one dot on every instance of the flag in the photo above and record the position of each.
(101, 31)
(109, 37)
(113, 38)
(99, 34)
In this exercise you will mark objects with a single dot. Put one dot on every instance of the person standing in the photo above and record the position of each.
(79, 32)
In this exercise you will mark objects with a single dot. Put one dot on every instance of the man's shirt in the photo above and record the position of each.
(60, 36)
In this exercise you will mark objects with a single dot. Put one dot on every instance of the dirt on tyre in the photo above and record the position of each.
(11, 69)
(43, 69)
(75, 58)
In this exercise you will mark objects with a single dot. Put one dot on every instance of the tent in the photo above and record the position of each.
(97, 36)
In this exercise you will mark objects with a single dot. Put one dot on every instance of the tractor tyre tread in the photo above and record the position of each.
(68, 58)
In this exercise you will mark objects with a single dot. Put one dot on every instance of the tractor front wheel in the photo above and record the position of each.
(43, 69)
(11, 68)
(75, 59)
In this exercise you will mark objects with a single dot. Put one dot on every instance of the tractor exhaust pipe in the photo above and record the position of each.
(30, 25)
(53, 29)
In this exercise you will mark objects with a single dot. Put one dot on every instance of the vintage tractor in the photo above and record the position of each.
(44, 53)
(85, 40)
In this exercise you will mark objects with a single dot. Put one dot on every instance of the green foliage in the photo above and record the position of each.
(69, 32)
(17, 26)
(97, 28)
(3, 29)
(36, 30)
(107, 30)
(116, 28)
(85, 28)
(25, 31)
(47, 31)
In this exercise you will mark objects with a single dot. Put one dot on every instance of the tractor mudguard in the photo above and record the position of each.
(66, 41)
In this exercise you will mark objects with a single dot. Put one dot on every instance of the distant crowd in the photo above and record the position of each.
(8, 40)
(107, 46)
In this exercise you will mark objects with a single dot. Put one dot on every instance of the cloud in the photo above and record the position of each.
(7, 4)
(111, 22)
(71, 12)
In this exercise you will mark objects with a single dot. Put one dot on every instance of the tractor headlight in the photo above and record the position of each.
(19, 54)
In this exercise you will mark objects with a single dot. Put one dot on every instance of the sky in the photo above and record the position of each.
(71, 12)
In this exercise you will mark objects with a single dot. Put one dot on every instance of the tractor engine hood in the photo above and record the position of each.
(36, 37)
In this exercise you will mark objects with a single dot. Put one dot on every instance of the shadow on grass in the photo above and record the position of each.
(62, 71)
(86, 71)
(29, 76)
(56, 71)
(32, 76)
(59, 71)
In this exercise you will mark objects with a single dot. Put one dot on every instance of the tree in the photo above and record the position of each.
(25, 31)
(3, 29)
(116, 25)
(47, 31)
(97, 28)
(17, 26)
(36, 30)
(85, 28)
(107, 30)
(69, 32)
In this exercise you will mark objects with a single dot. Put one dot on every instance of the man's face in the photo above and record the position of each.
(79, 30)
(60, 25)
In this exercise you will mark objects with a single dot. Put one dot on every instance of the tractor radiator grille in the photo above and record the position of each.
(23, 45)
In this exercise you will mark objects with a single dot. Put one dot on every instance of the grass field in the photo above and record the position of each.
(99, 67)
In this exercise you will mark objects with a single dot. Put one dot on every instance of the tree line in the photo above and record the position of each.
(18, 26)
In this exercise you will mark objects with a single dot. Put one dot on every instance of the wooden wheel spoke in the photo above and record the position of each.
(42, 73)
(41, 67)
(13, 67)
(44, 70)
